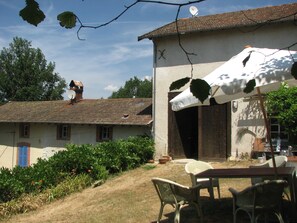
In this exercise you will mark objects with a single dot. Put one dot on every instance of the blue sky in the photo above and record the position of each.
(108, 56)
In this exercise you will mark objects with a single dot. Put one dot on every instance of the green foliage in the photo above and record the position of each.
(250, 86)
(70, 185)
(29, 202)
(121, 155)
(67, 19)
(179, 83)
(10, 187)
(78, 163)
(149, 167)
(134, 88)
(200, 89)
(32, 13)
(78, 159)
(283, 105)
(26, 76)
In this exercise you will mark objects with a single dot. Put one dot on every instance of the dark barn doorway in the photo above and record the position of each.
(199, 132)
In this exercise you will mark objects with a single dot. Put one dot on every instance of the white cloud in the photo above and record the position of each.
(147, 78)
(111, 88)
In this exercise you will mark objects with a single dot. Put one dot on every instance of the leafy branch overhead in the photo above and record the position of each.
(200, 89)
(34, 15)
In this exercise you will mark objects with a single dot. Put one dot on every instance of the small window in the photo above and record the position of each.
(63, 132)
(24, 130)
(103, 133)
(278, 135)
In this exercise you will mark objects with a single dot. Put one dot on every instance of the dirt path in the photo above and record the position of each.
(131, 197)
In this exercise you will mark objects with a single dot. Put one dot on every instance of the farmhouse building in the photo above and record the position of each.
(220, 131)
(37, 129)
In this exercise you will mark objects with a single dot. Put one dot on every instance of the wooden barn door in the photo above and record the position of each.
(214, 132)
(201, 133)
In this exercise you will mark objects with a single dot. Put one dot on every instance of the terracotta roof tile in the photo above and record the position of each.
(125, 111)
(231, 20)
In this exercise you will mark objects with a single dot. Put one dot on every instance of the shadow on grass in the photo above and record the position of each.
(219, 211)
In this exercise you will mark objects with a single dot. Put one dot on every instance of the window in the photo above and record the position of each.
(63, 132)
(24, 130)
(103, 133)
(278, 135)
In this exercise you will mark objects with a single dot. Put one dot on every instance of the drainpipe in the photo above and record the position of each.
(154, 88)
(13, 143)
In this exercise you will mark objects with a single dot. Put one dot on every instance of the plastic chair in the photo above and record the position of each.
(260, 199)
(280, 161)
(176, 195)
(195, 167)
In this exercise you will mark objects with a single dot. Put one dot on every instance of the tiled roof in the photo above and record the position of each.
(231, 20)
(125, 111)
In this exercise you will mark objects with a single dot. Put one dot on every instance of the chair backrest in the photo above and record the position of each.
(172, 192)
(267, 194)
(164, 190)
(280, 161)
(195, 167)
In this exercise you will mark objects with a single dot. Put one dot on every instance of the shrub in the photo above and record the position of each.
(96, 161)
(30, 202)
(10, 187)
(144, 147)
(124, 154)
(70, 185)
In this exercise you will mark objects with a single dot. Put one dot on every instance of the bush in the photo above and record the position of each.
(33, 201)
(10, 187)
(95, 161)
(124, 154)
(70, 185)
(144, 148)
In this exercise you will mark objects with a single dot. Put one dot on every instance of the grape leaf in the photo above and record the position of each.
(200, 89)
(32, 13)
(250, 86)
(179, 83)
(67, 19)
(246, 59)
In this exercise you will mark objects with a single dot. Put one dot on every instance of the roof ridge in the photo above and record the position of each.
(226, 20)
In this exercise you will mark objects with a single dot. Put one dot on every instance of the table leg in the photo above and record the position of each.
(211, 193)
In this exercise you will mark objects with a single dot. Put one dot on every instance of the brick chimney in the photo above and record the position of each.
(78, 87)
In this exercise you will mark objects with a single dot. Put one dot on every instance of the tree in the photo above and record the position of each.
(26, 76)
(134, 88)
(283, 105)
